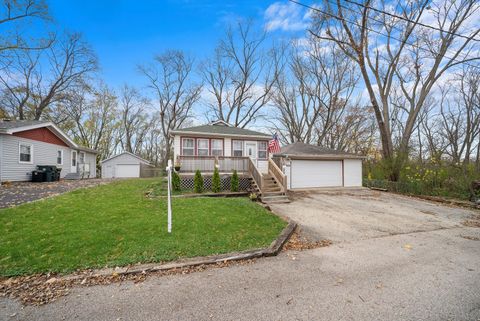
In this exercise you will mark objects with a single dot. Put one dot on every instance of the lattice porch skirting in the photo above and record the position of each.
(243, 182)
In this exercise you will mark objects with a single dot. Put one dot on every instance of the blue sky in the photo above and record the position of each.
(125, 33)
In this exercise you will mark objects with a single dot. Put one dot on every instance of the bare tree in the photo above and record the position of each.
(29, 90)
(239, 77)
(133, 126)
(396, 52)
(460, 115)
(93, 114)
(312, 98)
(169, 77)
(295, 95)
(15, 16)
(433, 144)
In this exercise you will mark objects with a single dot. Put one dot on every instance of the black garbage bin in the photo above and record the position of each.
(57, 173)
(49, 172)
(38, 176)
(49, 176)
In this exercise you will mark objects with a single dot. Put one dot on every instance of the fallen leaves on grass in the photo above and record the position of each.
(298, 242)
(45, 288)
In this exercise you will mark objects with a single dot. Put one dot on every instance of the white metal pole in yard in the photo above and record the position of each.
(169, 195)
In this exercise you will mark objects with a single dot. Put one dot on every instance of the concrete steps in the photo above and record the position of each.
(73, 176)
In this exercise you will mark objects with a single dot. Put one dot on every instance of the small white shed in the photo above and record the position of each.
(124, 165)
(310, 166)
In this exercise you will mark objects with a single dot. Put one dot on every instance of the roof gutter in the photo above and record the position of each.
(326, 156)
(177, 132)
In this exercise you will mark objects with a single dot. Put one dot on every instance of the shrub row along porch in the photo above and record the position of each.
(271, 185)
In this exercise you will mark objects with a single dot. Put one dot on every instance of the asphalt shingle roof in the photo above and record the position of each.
(302, 149)
(222, 130)
(10, 124)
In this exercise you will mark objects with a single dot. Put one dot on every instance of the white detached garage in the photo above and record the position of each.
(310, 166)
(124, 165)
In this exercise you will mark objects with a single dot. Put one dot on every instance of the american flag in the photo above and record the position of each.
(274, 145)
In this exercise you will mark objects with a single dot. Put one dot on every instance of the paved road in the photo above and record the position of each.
(438, 278)
(429, 275)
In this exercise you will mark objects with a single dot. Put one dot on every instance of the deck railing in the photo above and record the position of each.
(228, 164)
(190, 164)
(256, 175)
(83, 169)
(276, 172)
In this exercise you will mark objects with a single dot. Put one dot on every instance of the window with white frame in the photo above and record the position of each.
(59, 157)
(262, 150)
(81, 159)
(25, 153)
(237, 147)
(188, 146)
(202, 147)
(217, 147)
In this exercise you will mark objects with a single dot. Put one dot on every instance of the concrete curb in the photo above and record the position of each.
(273, 250)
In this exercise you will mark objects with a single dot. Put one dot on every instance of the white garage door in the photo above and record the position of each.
(316, 173)
(124, 170)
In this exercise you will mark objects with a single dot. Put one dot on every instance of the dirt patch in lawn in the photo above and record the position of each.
(46, 288)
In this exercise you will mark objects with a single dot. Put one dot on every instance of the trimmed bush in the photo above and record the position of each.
(234, 185)
(198, 182)
(216, 184)
(176, 186)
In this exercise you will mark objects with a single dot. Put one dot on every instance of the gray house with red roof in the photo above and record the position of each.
(25, 144)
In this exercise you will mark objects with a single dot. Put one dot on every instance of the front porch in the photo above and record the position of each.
(207, 164)
(271, 184)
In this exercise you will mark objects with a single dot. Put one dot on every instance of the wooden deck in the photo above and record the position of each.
(227, 164)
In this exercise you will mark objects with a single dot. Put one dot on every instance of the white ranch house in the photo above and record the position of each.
(202, 147)
(297, 166)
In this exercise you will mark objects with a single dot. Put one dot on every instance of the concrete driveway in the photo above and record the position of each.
(394, 258)
(359, 213)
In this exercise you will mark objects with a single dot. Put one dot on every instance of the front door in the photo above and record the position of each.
(252, 151)
(73, 165)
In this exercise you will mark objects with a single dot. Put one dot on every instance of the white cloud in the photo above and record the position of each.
(286, 17)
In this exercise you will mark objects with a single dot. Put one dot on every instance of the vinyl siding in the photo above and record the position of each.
(262, 166)
(228, 147)
(108, 167)
(176, 147)
(43, 154)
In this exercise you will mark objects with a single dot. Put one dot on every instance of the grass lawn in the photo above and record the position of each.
(115, 224)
